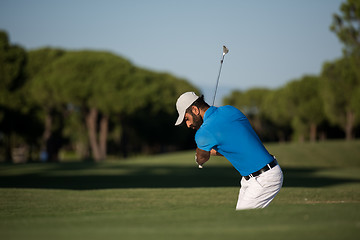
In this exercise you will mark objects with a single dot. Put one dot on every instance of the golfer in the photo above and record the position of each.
(225, 131)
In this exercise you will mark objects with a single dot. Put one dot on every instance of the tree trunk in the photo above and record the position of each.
(47, 129)
(104, 123)
(313, 130)
(51, 141)
(301, 138)
(91, 120)
(350, 120)
(323, 136)
(45, 152)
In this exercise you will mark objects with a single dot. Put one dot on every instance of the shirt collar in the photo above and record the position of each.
(209, 112)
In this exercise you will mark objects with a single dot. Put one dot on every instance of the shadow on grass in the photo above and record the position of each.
(86, 176)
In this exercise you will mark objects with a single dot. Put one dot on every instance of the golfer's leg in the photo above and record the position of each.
(248, 197)
(260, 191)
(272, 181)
(242, 192)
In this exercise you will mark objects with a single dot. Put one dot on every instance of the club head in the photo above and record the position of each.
(225, 50)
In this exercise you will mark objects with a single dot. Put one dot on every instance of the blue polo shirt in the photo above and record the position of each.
(227, 130)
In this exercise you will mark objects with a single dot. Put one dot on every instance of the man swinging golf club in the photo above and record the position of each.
(226, 131)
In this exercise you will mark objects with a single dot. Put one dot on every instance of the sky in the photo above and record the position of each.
(270, 42)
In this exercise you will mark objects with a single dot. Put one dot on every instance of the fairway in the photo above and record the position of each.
(168, 197)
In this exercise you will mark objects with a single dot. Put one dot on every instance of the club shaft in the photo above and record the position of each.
(217, 81)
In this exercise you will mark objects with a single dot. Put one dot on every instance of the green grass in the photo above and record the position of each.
(167, 197)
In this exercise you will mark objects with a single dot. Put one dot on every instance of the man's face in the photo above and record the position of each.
(193, 120)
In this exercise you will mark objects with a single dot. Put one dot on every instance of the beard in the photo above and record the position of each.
(197, 121)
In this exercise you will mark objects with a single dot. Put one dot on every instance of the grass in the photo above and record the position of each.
(167, 197)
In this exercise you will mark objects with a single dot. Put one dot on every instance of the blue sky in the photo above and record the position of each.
(270, 42)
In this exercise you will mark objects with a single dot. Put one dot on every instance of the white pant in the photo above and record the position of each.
(258, 192)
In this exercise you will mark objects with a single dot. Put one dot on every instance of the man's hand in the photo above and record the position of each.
(201, 156)
(200, 166)
(213, 152)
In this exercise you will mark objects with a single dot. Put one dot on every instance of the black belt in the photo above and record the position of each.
(264, 169)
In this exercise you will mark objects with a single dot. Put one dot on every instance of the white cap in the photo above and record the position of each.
(183, 103)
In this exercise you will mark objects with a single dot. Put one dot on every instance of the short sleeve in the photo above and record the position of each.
(205, 140)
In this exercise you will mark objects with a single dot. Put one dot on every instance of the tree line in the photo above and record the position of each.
(90, 102)
(313, 107)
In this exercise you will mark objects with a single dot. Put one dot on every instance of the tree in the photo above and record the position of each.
(13, 110)
(347, 28)
(276, 109)
(12, 59)
(42, 93)
(94, 83)
(305, 105)
(151, 126)
(340, 87)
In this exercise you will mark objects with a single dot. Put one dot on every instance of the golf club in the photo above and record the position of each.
(225, 51)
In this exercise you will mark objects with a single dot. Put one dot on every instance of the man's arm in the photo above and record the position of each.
(202, 156)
